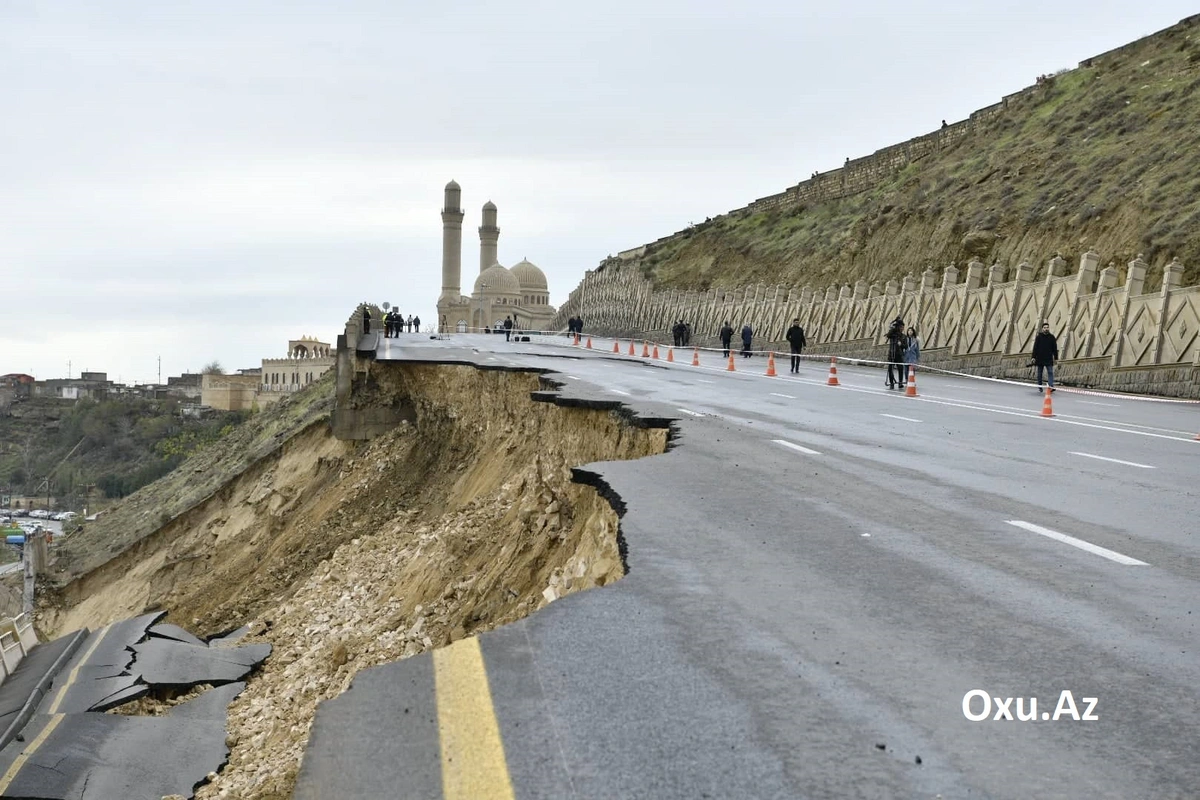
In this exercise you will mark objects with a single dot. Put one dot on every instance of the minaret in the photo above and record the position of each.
(452, 218)
(489, 235)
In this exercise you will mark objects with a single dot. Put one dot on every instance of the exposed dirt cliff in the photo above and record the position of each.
(345, 556)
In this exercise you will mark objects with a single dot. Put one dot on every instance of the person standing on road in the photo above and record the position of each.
(1045, 353)
(912, 353)
(895, 356)
(416, 324)
(726, 335)
(795, 337)
(747, 340)
(508, 325)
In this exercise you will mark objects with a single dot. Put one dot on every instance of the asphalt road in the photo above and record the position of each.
(818, 577)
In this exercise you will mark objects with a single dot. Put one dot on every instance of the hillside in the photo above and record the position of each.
(1103, 157)
(115, 446)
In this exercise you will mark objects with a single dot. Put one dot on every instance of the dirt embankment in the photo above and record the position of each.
(345, 557)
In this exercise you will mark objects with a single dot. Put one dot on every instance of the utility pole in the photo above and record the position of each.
(160, 370)
(68, 369)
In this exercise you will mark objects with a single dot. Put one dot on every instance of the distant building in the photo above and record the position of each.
(185, 385)
(520, 293)
(95, 385)
(307, 360)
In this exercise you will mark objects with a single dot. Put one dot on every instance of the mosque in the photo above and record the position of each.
(519, 292)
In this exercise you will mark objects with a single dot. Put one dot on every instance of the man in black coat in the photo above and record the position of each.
(897, 342)
(1045, 353)
(795, 337)
(726, 335)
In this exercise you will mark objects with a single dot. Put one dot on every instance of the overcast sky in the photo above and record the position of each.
(205, 180)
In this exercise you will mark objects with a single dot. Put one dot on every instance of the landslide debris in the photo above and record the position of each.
(345, 556)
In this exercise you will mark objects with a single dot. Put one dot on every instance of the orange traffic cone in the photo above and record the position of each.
(730, 368)
(696, 362)
(577, 340)
(833, 381)
(616, 347)
(671, 354)
(911, 391)
(656, 351)
(1047, 407)
(589, 345)
(631, 352)
(770, 365)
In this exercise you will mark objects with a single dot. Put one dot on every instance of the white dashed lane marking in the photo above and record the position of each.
(693, 413)
(796, 447)
(788, 396)
(1113, 460)
(618, 391)
(895, 416)
(1111, 555)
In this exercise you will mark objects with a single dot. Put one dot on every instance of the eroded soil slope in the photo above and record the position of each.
(345, 556)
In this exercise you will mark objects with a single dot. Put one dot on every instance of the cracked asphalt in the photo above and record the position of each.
(70, 749)
(818, 579)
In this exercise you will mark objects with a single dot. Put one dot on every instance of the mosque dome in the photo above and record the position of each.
(452, 186)
(498, 280)
(489, 206)
(529, 276)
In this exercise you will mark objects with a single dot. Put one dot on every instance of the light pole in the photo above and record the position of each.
(482, 293)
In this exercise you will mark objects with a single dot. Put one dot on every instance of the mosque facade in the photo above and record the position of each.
(498, 292)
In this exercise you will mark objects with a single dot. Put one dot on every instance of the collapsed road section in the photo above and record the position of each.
(467, 514)
(166, 692)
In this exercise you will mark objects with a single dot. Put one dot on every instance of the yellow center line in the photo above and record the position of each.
(58, 698)
(20, 760)
(473, 764)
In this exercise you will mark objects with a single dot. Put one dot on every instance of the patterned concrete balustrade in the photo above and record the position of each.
(1109, 336)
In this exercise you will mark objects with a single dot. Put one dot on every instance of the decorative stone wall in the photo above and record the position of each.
(980, 321)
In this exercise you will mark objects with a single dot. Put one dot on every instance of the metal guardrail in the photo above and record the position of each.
(17, 638)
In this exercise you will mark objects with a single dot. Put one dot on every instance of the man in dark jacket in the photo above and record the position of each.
(726, 335)
(508, 326)
(747, 340)
(795, 337)
(897, 343)
(1045, 353)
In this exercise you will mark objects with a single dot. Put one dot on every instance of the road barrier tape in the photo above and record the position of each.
(853, 361)
(564, 337)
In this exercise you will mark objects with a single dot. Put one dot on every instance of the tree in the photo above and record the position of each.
(213, 368)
